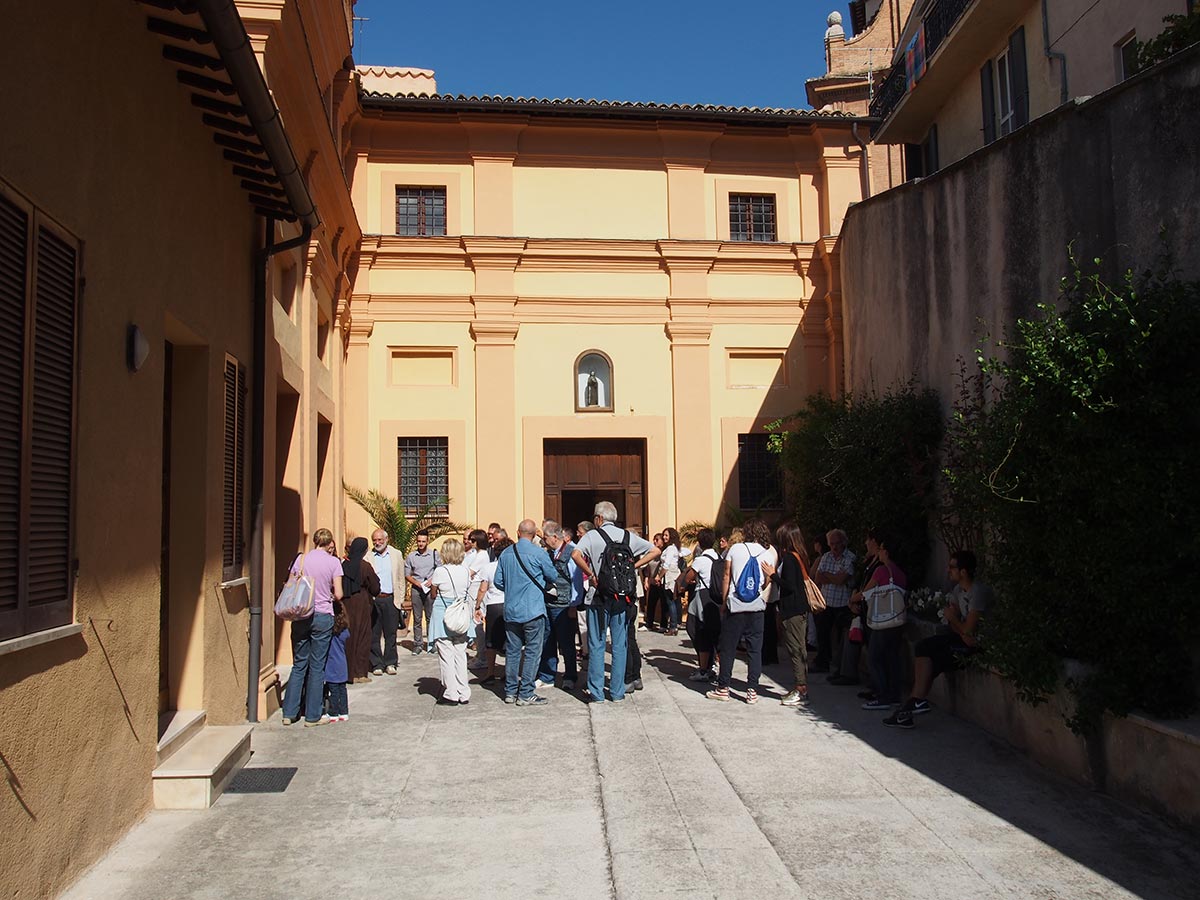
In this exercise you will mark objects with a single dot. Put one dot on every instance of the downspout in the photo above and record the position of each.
(232, 44)
(865, 168)
(1064, 94)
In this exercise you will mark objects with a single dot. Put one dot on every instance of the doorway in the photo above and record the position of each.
(581, 472)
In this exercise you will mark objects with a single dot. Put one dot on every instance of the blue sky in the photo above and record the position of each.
(729, 53)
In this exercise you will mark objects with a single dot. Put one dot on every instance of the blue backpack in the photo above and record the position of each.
(750, 581)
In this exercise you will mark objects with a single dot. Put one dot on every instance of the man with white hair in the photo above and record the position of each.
(524, 574)
(610, 556)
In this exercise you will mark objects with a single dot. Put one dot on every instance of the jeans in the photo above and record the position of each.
(310, 647)
(383, 625)
(522, 654)
(560, 638)
(883, 656)
(339, 703)
(734, 627)
(674, 613)
(422, 605)
(598, 621)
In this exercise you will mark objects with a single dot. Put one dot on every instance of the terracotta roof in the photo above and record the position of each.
(607, 108)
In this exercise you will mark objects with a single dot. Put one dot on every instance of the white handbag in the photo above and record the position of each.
(298, 597)
(886, 607)
(460, 615)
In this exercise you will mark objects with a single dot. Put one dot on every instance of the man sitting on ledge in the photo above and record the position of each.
(945, 652)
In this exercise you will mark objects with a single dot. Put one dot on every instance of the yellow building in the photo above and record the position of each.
(514, 249)
(967, 72)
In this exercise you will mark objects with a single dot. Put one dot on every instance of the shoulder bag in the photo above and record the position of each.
(296, 600)
(886, 606)
(459, 615)
(816, 600)
(549, 594)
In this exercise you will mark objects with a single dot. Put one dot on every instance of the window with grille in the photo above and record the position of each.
(424, 478)
(421, 211)
(752, 217)
(39, 306)
(759, 482)
(233, 537)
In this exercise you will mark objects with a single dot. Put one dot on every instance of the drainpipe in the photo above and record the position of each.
(1064, 94)
(232, 44)
(865, 168)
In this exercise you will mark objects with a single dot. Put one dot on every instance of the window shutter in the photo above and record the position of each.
(229, 492)
(987, 89)
(929, 151)
(14, 250)
(52, 425)
(1020, 77)
(239, 507)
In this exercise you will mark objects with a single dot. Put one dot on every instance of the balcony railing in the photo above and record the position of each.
(938, 23)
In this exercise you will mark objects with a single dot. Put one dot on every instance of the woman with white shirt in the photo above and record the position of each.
(489, 602)
(745, 617)
(475, 558)
(448, 584)
(668, 575)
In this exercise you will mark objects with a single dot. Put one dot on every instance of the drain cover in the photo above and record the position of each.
(264, 780)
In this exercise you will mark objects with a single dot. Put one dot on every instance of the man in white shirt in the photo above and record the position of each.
(745, 617)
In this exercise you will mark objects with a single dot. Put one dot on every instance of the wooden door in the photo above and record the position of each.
(612, 469)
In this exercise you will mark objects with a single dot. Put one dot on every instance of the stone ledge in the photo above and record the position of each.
(25, 641)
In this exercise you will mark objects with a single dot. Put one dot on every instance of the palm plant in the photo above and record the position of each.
(730, 515)
(389, 514)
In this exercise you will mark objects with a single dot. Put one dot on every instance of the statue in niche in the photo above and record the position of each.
(591, 393)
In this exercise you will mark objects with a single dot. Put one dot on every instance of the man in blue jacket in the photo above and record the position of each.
(524, 573)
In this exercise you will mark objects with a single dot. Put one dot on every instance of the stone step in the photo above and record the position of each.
(175, 728)
(196, 774)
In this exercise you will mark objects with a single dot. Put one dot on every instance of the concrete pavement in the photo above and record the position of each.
(666, 794)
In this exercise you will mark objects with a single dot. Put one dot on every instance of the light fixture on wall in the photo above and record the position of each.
(137, 348)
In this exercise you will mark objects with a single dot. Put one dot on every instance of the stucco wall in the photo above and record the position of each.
(927, 267)
(118, 155)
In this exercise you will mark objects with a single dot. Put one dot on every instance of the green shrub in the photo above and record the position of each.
(865, 462)
(1075, 451)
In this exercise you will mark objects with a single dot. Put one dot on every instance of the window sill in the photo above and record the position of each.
(25, 641)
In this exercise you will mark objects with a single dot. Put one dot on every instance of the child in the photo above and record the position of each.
(336, 670)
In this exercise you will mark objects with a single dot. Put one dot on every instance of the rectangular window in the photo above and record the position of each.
(421, 211)
(1127, 57)
(424, 474)
(1004, 93)
(759, 483)
(39, 308)
(233, 538)
(752, 217)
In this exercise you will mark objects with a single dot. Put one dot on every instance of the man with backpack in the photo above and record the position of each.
(610, 557)
(745, 602)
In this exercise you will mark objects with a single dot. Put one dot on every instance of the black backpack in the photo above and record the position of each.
(617, 579)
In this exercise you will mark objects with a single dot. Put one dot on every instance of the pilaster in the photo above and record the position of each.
(497, 472)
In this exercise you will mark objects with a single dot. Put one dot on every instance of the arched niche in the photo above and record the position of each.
(593, 382)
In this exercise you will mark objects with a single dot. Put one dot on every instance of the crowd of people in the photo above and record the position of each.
(560, 599)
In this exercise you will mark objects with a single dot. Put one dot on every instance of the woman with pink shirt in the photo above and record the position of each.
(311, 636)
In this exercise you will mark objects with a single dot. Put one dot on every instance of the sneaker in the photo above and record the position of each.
(720, 693)
(377, 671)
(463, 702)
(700, 675)
(751, 696)
(416, 651)
(876, 704)
(344, 717)
(637, 684)
(568, 684)
(286, 721)
(538, 684)
(918, 707)
(899, 719)
(866, 695)
(616, 699)
(509, 698)
(535, 700)
(794, 698)
(324, 720)
(390, 670)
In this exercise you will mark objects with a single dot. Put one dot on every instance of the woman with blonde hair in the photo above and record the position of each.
(311, 636)
(448, 584)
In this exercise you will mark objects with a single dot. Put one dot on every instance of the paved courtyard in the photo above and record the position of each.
(665, 794)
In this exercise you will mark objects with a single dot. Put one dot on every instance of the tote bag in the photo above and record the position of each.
(459, 616)
(816, 600)
(298, 595)
(886, 607)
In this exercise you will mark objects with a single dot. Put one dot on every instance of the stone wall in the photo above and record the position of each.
(929, 267)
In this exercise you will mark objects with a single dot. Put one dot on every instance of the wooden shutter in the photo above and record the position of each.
(14, 253)
(239, 507)
(1020, 77)
(987, 90)
(229, 494)
(929, 151)
(49, 536)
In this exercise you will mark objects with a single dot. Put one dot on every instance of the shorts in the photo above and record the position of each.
(707, 635)
(493, 617)
(946, 652)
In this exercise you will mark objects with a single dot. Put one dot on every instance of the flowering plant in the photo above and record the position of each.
(927, 603)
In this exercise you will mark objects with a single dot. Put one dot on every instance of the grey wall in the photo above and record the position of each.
(928, 267)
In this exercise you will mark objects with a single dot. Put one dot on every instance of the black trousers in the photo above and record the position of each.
(832, 625)
(734, 627)
(657, 601)
(384, 622)
(633, 656)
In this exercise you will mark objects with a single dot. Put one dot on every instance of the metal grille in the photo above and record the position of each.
(752, 217)
(421, 211)
(265, 780)
(758, 474)
(424, 479)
